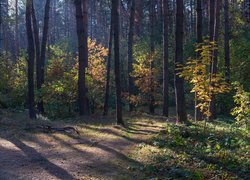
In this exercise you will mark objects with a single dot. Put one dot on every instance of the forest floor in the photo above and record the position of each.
(150, 147)
(101, 150)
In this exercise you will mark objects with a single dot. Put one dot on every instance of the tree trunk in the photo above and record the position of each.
(37, 50)
(138, 16)
(17, 32)
(165, 57)
(211, 19)
(115, 7)
(152, 50)
(82, 53)
(31, 57)
(199, 39)
(43, 50)
(215, 56)
(226, 40)
(179, 82)
(130, 54)
(107, 89)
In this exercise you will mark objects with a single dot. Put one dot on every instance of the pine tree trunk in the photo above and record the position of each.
(179, 82)
(37, 50)
(226, 40)
(82, 53)
(43, 49)
(165, 57)
(215, 56)
(130, 53)
(152, 50)
(115, 7)
(31, 59)
(16, 32)
(107, 89)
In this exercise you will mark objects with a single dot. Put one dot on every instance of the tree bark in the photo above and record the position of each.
(211, 19)
(179, 82)
(31, 57)
(17, 32)
(43, 50)
(130, 54)
(37, 50)
(215, 56)
(226, 40)
(152, 50)
(107, 89)
(82, 53)
(165, 57)
(115, 7)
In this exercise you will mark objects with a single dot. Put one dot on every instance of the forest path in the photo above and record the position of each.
(97, 152)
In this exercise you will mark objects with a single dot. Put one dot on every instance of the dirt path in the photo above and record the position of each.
(98, 152)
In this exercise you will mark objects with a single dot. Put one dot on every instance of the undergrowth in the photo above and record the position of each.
(189, 152)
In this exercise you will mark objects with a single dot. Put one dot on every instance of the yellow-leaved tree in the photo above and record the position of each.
(205, 84)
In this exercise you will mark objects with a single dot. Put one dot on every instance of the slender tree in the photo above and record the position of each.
(17, 31)
(152, 51)
(43, 51)
(31, 57)
(211, 19)
(215, 55)
(199, 40)
(107, 88)
(37, 50)
(226, 40)
(165, 56)
(179, 82)
(130, 53)
(81, 13)
(115, 7)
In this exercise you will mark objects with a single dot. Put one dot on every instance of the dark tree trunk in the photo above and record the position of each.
(43, 51)
(37, 48)
(179, 82)
(138, 17)
(16, 32)
(107, 89)
(211, 19)
(226, 40)
(152, 50)
(165, 57)
(31, 57)
(82, 53)
(130, 53)
(115, 7)
(199, 40)
(215, 56)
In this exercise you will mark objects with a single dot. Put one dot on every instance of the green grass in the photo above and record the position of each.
(189, 152)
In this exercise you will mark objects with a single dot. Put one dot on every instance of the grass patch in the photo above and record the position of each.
(221, 152)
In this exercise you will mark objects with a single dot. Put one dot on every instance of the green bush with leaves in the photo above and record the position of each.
(242, 109)
(13, 82)
(59, 92)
